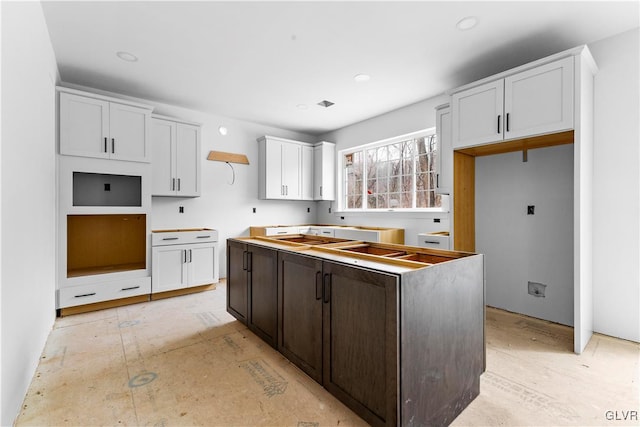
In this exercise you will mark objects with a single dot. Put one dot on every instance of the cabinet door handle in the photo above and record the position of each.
(113, 145)
(184, 256)
(130, 288)
(326, 288)
(173, 184)
(244, 260)
(190, 255)
(85, 295)
(498, 123)
(507, 122)
(178, 184)
(437, 180)
(321, 191)
(282, 190)
(105, 144)
(249, 261)
(318, 285)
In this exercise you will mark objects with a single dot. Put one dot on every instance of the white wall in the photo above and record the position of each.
(616, 234)
(405, 120)
(29, 74)
(518, 247)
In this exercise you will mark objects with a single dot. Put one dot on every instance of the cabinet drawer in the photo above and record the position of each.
(103, 291)
(434, 241)
(181, 237)
(280, 231)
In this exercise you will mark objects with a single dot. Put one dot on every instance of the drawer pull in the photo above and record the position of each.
(281, 232)
(432, 242)
(131, 288)
(170, 238)
(85, 295)
(203, 237)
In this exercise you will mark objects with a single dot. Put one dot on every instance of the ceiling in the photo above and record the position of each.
(265, 61)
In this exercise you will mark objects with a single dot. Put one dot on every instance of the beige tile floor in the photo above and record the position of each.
(185, 361)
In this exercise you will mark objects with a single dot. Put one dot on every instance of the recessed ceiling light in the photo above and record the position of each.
(467, 23)
(301, 106)
(223, 130)
(362, 78)
(126, 56)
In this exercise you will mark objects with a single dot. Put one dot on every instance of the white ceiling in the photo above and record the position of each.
(258, 61)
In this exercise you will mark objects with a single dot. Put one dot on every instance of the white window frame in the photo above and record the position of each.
(341, 178)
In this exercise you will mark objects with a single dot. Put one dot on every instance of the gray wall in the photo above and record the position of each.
(519, 247)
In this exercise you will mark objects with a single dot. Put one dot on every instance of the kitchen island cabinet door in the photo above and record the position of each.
(237, 280)
(263, 291)
(300, 312)
(360, 346)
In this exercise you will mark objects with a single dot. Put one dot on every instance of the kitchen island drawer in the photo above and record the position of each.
(103, 291)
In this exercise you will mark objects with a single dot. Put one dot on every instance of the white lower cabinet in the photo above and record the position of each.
(183, 259)
(99, 291)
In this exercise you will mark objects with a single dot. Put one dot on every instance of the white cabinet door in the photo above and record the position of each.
(201, 265)
(291, 170)
(84, 126)
(324, 171)
(307, 172)
(187, 160)
(169, 268)
(128, 131)
(91, 127)
(444, 180)
(272, 170)
(540, 100)
(162, 155)
(478, 115)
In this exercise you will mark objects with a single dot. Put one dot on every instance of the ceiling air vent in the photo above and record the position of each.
(325, 103)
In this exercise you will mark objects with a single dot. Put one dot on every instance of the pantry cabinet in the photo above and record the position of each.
(444, 178)
(175, 148)
(532, 102)
(101, 127)
(324, 171)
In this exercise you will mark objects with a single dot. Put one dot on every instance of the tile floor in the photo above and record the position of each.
(185, 361)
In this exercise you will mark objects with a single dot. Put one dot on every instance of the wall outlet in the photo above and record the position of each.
(254, 210)
(107, 187)
(308, 210)
(536, 289)
(531, 209)
(181, 209)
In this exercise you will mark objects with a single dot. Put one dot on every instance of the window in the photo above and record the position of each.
(395, 174)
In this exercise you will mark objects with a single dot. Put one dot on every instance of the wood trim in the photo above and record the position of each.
(393, 235)
(184, 291)
(464, 202)
(221, 156)
(523, 144)
(68, 311)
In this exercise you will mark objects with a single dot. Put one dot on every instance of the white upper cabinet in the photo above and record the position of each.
(279, 168)
(532, 102)
(477, 115)
(175, 165)
(103, 128)
(444, 180)
(294, 170)
(539, 100)
(324, 171)
(307, 171)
